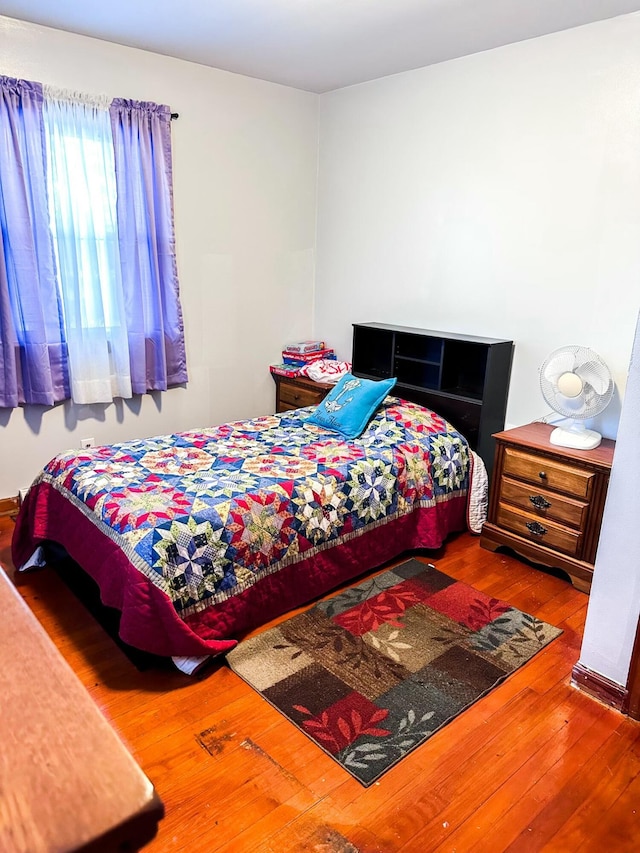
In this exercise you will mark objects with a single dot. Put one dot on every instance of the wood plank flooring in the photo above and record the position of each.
(536, 765)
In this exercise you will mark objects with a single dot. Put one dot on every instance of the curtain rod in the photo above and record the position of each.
(175, 115)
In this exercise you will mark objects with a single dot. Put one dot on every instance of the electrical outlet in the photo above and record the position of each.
(87, 442)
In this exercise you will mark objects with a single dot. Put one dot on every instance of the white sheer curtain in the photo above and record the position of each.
(82, 201)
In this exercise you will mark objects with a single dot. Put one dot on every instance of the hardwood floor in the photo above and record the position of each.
(536, 765)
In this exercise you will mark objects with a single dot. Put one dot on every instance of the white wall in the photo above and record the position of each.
(614, 604)
(245, 159)
(498, 195)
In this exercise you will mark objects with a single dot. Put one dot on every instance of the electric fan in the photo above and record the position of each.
(577, 384)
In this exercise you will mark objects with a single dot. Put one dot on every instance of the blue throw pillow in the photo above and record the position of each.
(349, 406)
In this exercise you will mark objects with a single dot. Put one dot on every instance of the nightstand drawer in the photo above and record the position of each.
(544, 504)
(548, 473)
(296, 397)
(542, 532)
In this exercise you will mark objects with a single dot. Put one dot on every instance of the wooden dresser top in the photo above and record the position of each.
(66, 779)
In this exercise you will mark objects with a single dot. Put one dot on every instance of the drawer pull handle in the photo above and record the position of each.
(542, 475)
(539, 502)
(536, 528)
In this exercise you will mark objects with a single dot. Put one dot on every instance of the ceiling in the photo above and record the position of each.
(316, 45)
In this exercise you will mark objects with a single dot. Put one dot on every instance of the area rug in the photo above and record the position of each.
(374, 671)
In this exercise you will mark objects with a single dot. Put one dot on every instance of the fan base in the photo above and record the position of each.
(578, 439)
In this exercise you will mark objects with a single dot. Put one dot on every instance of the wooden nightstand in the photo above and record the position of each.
(546, 502)
(296, 392)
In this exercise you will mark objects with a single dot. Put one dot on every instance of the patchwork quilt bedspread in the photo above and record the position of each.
(199, 536)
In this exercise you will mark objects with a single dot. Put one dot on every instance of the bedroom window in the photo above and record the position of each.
(81, 186)
(89, 296)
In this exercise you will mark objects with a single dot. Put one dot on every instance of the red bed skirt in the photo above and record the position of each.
(148, 619)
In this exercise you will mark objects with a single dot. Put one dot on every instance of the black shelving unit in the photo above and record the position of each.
(463, 378)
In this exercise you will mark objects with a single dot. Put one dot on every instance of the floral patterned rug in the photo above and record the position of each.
(374, 671)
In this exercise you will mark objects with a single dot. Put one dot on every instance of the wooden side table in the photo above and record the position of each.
(546, 502)
(296, 392)
(67, 782)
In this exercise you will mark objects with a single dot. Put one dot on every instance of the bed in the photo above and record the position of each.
(200, 536)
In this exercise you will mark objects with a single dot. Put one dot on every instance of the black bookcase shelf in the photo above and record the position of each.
(463, 378)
